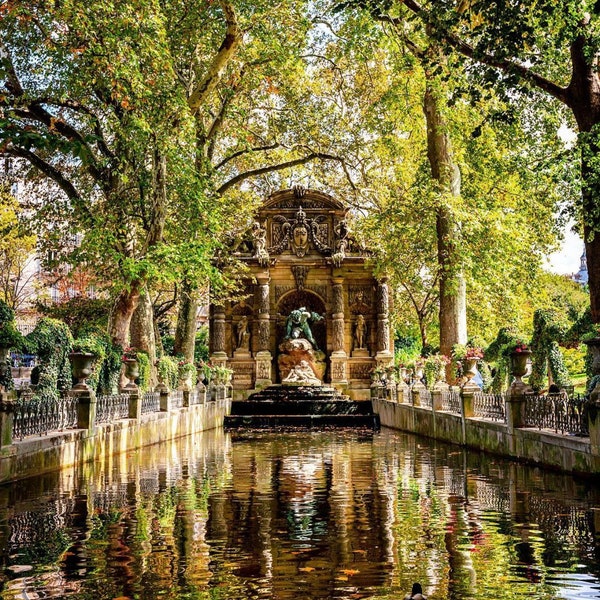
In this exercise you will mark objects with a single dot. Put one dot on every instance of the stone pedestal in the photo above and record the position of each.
(295, 353)
(218, 359)
(7, 406)
(360, 353)
(86, 408)
(339, 371)
(263, 369)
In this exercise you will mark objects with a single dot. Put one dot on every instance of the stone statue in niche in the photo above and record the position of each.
(259, 240)
(360, 331)
(243, 334)
(341, 242)
(297, 325)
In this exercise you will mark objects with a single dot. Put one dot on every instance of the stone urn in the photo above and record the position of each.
(518, 365)
(470, 368)
(82, 364)
(132, 370)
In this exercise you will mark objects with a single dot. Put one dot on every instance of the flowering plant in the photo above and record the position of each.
(435, 365)
(474, 353)
(520, 346)
(130, 353)
(462, 352)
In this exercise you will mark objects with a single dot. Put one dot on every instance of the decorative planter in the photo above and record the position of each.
(518, 365)
(82, 364)
(132, 370)
(470, 368)
(419, 374)
(185, 382)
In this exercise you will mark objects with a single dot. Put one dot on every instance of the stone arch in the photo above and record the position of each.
(314, 303)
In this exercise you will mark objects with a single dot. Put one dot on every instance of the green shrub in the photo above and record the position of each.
(143, 380)
(201, 347)
(52, 341)
(185, 369)
(10, 337)
(168, 371)
(79, 313)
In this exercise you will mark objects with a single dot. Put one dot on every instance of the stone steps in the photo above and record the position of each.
(282, 406)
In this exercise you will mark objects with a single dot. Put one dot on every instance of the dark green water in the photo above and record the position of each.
(344, 515)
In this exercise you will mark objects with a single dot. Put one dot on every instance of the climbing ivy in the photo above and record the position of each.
(499, 352)
(143, 380)
(547, 357)
(51, 341)
(10, 337)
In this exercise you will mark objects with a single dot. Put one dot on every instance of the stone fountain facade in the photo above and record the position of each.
(301, 255)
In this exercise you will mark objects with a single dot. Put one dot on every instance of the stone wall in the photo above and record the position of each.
(41, 454)
(569, 453)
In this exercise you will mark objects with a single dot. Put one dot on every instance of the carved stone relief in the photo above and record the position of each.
(361, 370)
(300, 272)
(360, 299)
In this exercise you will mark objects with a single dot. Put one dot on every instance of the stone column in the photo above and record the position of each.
(594, 421)
(219, 356)
(164, 398)
(384, 354)
(7, 406)
(86, 408)
(338, 355)
(467, 397)
(263, 356)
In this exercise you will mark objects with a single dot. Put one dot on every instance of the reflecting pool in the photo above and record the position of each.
(335, 514)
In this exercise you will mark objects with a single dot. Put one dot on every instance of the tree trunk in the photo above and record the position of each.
(453, 305)
(185, 333)
(142, 330)
(121, 314)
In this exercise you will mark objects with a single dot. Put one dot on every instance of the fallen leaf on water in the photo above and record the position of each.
(342, 578)
(306, 569)
(350, 572)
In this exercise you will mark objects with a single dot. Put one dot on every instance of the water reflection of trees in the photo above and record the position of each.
(315, 515)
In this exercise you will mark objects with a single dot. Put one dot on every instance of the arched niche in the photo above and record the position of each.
(313, 303)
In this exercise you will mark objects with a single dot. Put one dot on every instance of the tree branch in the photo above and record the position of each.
(279, 167)
(36, 112)
(466, 49)
(53, 173)
(214, 128)
(233, 38)
(245, 151)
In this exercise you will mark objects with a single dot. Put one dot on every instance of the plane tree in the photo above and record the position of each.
(534, 52)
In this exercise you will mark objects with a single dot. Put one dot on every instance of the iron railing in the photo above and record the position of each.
(150, 402)
(425, 398)
(489, 406)
(451, 401)
(176, 399)
(557, 412)
(39, 415)
(112, 407)
(194, 398)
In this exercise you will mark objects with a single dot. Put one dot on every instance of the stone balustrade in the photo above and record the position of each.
(86, 427)
(517, 424)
